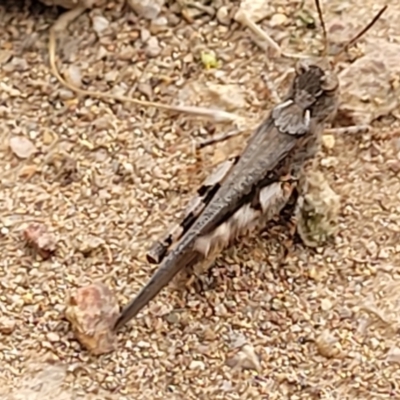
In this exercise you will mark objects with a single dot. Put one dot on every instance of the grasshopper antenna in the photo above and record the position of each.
(352, 41)
(322, 22)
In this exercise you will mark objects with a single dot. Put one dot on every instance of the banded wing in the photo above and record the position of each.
(204, 195)
(290, 118)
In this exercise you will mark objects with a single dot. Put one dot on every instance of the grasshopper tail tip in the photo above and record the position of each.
(124, 317)
(159, 280)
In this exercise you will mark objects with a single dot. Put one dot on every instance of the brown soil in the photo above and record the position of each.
(107, 178)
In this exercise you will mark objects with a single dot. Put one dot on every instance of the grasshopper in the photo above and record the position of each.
(244, 192)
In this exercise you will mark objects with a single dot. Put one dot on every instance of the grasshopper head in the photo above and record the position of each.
(316, 84)
(314, 93)
(316, 88)
(320, 70)
(312, 99)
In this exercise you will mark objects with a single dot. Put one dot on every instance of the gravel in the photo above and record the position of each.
(107, 178)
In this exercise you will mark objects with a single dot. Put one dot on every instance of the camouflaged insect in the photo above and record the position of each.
(244, 192)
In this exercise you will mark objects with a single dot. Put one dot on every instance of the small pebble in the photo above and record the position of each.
(325, 343)
(197, 365)
(39, 238)
(158, 25)
(53, 337)
(144, 35)
(65, 94)
(92, 312)
(278, 20)
(246, 358)
(16, 65)
(326, 304)
(22, 147)
(100, 24)
(7, 325)
(153, 49)
(223, 15)
(147, 9)
(329, 162)
(393, 355)
(74, 75)
(328, 141)
(394, 166)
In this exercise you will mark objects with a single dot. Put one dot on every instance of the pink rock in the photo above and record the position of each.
(92, 312)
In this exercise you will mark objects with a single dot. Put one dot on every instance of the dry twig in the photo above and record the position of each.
(62, 23)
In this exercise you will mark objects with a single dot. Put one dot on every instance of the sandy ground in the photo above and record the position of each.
(110, 177)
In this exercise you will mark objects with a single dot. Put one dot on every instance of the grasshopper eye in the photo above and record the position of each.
(329, 82)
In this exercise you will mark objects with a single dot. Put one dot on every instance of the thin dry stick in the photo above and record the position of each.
(218, 138)
(349, 130)
(245, 20)
(242, 17)
(62, 23)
